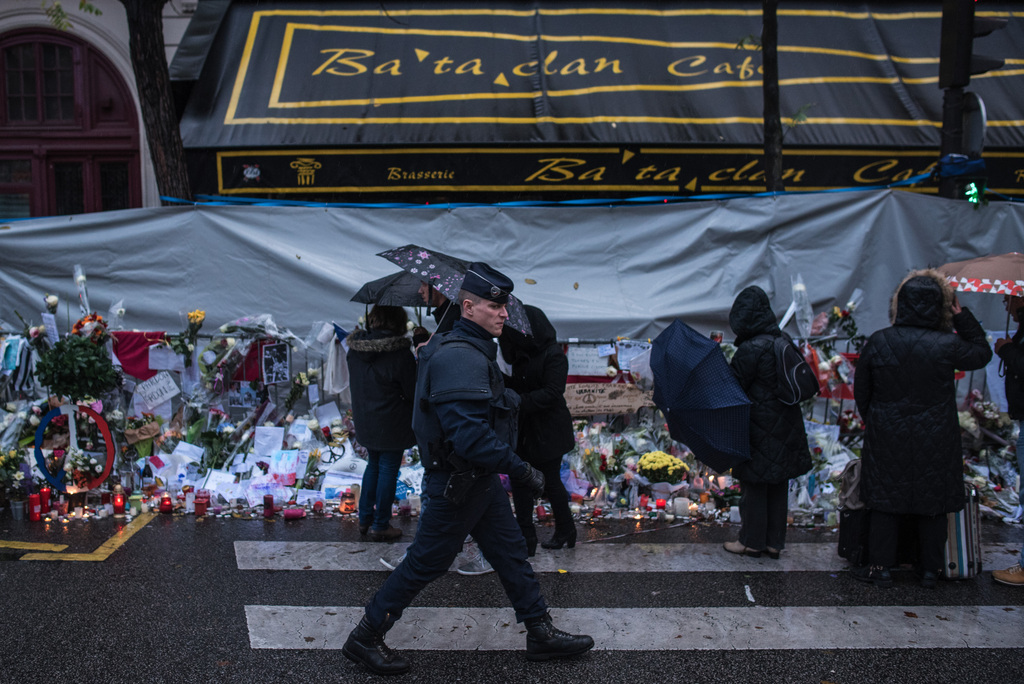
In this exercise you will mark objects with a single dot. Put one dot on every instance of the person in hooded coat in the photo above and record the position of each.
(382, 376)
(539, 371)
(778, 442)
(912, 458)
(1011, 353)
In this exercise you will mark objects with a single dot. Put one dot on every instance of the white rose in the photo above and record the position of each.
(52, 300)
(80, 279)
(228, 429)
(313, 425)
(33, 421)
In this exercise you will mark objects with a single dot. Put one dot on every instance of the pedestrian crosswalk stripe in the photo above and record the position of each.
(644, 557)
(657, 629)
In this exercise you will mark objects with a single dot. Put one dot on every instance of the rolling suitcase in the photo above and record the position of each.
(853, 535)
(963, 539)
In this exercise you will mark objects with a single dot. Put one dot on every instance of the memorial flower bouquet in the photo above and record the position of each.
(657, 466)
(81, 467)
(185, 343)
(12, 474)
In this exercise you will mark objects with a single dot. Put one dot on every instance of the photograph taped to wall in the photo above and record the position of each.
(275, 364)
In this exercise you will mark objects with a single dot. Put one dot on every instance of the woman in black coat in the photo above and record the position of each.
(539, 371)
(912, 459)
(382, 378)
(778, 442)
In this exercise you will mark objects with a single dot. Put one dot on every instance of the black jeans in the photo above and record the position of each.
(556, 495)
(764, 507)
(884, 539)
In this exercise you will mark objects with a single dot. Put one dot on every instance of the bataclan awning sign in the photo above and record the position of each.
(667, 97)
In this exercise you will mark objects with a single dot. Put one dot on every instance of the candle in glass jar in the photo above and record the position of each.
(268, 506)
(119, 504)
(34, 509)
(44, 499)
(166, 506)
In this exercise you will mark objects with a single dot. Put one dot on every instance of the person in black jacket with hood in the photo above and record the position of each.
(539, 371)
(778, 442)
(382, 377)
(912, 459)
(1011, 353)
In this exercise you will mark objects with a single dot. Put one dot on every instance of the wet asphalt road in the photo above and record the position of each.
(168, 606)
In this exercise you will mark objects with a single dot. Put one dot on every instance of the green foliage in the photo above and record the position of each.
(77, 368)
(58, 16)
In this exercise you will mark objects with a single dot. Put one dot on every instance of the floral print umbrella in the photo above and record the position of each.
(445, 273)
(995, 274)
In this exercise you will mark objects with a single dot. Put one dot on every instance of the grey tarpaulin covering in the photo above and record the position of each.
(600, 272)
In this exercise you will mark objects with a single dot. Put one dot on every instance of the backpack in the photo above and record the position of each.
(797, 380)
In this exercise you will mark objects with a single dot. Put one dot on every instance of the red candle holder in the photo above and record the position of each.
(34, 508)
(44, 499)
(268, 506)
(201, 507)
(119, 504)
(166, 505)
(659, 504)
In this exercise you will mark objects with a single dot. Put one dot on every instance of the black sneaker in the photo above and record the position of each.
(874, 574)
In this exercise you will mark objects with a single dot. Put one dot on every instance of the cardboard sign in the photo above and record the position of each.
(593, 398)
(157, 390)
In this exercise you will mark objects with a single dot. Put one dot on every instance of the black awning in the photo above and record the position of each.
(350, 73)
(327, 76)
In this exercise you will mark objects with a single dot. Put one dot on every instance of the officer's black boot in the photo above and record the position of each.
(544, 641)
(366, 645)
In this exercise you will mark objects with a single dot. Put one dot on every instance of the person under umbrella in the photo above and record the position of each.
(382, 376)
(778, 442)
(1011, 352)
(539, 371)
(912, 458)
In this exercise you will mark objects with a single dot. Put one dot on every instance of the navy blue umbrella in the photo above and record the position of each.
(704, 405)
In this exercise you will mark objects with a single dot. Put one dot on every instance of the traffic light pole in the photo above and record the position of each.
(952, 136)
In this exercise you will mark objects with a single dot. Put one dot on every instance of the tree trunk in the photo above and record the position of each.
(772, 120)
(153, 83)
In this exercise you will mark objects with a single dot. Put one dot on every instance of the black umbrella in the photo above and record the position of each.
(704, 405)
(397, 289)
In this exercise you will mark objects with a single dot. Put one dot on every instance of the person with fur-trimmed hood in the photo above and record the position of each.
(382, 377)
(905, 392)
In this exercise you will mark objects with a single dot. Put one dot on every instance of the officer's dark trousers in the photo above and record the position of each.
(486, 515)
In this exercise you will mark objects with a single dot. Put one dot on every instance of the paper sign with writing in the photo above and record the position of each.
(586, 359)
(50, 323)
(593, 398)
(158, 389)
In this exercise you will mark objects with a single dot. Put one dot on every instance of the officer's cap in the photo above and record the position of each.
(484, 281)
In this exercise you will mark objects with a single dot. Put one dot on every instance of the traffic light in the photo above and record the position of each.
(960, 27)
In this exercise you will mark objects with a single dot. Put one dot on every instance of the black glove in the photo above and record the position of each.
(532, 479)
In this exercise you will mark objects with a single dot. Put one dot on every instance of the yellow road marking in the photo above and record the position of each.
(105, 549)
(32, 546)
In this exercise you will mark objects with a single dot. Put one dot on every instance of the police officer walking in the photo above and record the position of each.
(465, 422)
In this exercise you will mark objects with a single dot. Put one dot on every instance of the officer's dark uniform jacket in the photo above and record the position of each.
(464, 417)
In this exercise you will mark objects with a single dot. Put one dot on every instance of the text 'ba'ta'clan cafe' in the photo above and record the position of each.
(411, 102)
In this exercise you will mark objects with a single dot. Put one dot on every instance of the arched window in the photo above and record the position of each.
(69, 138)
